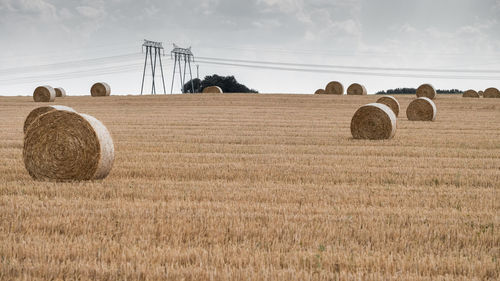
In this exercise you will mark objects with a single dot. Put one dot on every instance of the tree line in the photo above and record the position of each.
(413, 91)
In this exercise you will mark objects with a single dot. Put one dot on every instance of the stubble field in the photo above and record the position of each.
(259, 187)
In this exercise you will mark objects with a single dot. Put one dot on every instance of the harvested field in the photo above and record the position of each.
(260, 187)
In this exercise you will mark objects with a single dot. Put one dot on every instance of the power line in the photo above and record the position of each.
(355, 67)
(350, 72)
(66, 63)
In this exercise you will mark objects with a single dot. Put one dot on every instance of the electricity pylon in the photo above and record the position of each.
(157, 47)
(179, 55)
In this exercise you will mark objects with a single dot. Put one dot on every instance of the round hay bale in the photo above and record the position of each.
(481, 93)
(357, 89)
(60, 92)
(491, 93)
(426, 91)
(44, 94)
(470, 94)
(320, 92)
(35, 113)
(100, 89)
(421, 109)
(67, 146)
(391, 102)
(374, 121)
(212, 90)
(334, 88)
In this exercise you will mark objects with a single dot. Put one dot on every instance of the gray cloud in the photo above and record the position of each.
(391, 33)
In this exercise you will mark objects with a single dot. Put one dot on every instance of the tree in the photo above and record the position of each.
(196, 86)
(228, 84)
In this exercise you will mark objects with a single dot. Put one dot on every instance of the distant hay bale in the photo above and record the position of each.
(481, 93)
(60, 92)
(391, 102)
(491, 93)
(100, 89)
(213, 90)
(374, 121)
(426, 91)
(421, 109)
(44, 94)
(320, 92)
(470, 94)
(35, 113)
(67, 146)
(356, 89)
(334, 88)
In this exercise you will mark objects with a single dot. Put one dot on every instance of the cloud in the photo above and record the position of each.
(91, 12)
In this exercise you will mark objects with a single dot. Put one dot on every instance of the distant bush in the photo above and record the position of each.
(413, 91)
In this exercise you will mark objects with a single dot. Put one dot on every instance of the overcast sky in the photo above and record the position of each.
(72, 43)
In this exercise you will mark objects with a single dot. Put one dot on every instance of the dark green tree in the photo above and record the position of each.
(228, 84)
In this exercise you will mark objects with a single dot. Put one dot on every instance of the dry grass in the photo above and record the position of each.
(260, 187)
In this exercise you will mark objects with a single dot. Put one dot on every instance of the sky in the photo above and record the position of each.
(382, 44)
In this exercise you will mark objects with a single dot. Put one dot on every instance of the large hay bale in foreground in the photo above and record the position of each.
(60, 92)
(356, 89)
(334, 88)
(100, 89)
(320, 92)
(421, 109)
(212, 90)
(374, 121)
(426, 91)
(491, 93)
(67, 146)
(391, 102)
(44, 94)
(470, 94)
(35, 113)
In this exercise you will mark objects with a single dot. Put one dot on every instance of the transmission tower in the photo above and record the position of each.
(156, 48)
(180, 55)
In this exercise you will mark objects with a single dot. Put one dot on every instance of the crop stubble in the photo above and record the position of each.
(260, 187)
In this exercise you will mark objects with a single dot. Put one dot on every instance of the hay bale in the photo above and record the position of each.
(334, 88)
(391, 102)
(60, 92)
(470, 94)
(421, 109)
(356, 89)
(491, 93)
(100, 89)
(67, 146)
(44, 94)
(213, 90)
(320, 92)
(426, 91)
(374, 121)
(481, 93)
(35, 113)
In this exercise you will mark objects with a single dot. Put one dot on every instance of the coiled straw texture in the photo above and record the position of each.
(334, 88)
(357, 90)
(373, 121)
(391, 102)
(421, 109)
(426, 91)
(35, 113)
(44, 94)
(212, 90)
(100, 89)
(67, 146)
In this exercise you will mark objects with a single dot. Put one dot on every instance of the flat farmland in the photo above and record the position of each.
(259, 187)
